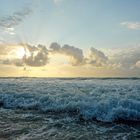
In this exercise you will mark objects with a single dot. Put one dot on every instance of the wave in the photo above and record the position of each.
(75, 78)
(103, 103)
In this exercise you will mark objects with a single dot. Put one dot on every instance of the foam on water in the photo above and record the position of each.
(104, 100)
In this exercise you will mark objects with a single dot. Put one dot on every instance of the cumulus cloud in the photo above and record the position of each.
(96, 57)
(34, 56)
(127, 57)
(9, 22)
(75, 54)
(38, 56)
(131, 25)
(55, 47)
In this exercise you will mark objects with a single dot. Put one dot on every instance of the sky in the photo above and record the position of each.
(70, 38)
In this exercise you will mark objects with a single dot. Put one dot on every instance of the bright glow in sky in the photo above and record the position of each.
(93, 38)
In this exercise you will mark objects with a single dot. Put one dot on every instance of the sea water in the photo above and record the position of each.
(69, 108)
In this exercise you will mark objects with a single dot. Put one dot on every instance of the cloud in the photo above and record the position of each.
(38, 56)
(75, 54)
(138, 64)
(96, 57)
(16, 62)
(10, 31)
(34, 56)
(131, 25)
(123, 59)
(9, 22)
(55, 47)
(127, 56)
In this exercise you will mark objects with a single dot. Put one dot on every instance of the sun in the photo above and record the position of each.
(20, 52)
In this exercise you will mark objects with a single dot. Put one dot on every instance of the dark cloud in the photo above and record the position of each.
(55, 47)
(6, 62)
(15, 19)
(96, 58)
(38, 56)
(35, 56)
(75, 54)
(8, 23)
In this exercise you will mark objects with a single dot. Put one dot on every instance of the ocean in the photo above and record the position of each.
(69, 109)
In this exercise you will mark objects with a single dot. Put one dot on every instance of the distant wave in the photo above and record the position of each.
(75, 78)
(104, 102)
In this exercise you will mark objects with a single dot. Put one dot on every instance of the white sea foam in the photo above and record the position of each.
(104, 100)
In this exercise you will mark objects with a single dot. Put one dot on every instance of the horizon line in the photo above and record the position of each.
(82, 77)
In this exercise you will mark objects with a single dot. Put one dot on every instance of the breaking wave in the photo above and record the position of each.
(107, 101)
